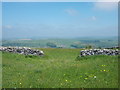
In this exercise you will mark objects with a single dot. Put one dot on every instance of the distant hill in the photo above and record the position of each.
(63, 42)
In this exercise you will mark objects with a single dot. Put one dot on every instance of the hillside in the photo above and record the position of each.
(63, 42)
(59, 68)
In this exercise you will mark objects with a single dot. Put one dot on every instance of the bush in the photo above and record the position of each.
(52, 45)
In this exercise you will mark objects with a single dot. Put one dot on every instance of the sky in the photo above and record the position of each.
(59, 19)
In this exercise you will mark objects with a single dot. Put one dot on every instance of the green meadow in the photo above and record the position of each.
(59, 68)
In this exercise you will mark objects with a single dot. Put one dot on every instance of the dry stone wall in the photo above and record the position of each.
(22, 50)
(99, 52)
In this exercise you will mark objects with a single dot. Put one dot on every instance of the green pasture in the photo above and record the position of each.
(59, 68)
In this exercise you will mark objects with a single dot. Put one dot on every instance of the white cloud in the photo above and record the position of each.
(93, 18)
(71, 12)
(108, 6)
(7, 27)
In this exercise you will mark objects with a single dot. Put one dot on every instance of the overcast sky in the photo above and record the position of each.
(60, 19)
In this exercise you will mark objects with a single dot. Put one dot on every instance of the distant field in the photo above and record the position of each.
(65, 43)
(59, 68)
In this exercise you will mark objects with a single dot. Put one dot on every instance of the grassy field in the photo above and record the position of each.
(59, 68)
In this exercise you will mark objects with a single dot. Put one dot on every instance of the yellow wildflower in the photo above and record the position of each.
(80, 76)
(103, 65)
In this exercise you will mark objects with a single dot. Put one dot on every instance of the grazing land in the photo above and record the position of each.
(63, 42)
(59, 68)
(61, 30)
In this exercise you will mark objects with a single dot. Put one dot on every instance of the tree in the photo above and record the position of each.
(77, 45)
(51, 44)
(88, 47)
(99, 47)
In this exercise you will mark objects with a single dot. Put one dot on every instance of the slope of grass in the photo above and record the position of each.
(59, 68)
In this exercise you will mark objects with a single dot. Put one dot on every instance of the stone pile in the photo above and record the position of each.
(99, 52)
(22, 50)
